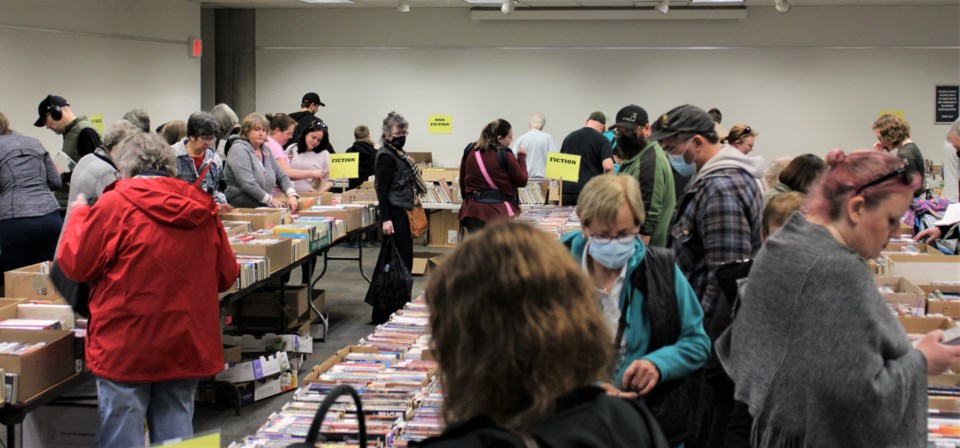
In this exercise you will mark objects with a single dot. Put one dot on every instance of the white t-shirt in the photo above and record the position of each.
(310, 160)
(610, 301)
(538, 144)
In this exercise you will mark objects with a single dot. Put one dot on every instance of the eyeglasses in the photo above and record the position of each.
(623, 237)
(902, 171)
(400, 134)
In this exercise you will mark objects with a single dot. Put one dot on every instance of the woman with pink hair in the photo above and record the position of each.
(816, 355)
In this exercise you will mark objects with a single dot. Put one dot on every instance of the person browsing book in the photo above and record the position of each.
(252, 172)
(311, 157)
(490, 176)
(505, 307)
(815, 354)
(653, 316)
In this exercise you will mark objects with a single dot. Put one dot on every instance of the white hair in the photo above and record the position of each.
(537, 121)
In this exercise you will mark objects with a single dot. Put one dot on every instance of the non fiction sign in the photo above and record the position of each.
(97, 121)
(563, 166)
(441, 124)
(345, 166)
(946, 104)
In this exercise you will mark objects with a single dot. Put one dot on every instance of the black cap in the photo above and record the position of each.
(49, 103)
(684, 119)
(599, 117)
(632, 117)
(311, 98)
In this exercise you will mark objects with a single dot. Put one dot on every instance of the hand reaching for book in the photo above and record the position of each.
(641, 377)
(939, 356)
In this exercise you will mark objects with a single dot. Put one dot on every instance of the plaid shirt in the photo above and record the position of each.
(717, 222)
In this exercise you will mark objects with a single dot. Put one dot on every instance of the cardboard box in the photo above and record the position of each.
(231, 354)
(248, 343)
(259, 218)
(355, 196)
(310, 198)
(905, 292)
(924, 325)
(234, 228)
(43, 367)
(444, 228)
(280, 254)
(421, 157)
(255, 369)
(31, 282)
(949, 308)
(9, 309)
(351, 216)
(313, 376)
(424, 262)
(440, 174)
(897, 247)
(65, 426)
(320, 303)
(266, 306)
(250, 392)
(923, 268)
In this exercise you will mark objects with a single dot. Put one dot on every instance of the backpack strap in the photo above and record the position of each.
(486, 175)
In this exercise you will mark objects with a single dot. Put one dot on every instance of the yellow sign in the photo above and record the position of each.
(97, 121)
(563, 166)
(345, 166)
(204, 441)
(898, 113)
(441, 124)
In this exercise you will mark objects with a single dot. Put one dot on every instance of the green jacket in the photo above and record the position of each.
(652, 169)
(71, 134)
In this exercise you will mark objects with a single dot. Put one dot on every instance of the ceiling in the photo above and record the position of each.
(550, 3)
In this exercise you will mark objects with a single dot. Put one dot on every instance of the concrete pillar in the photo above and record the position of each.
(236, 74)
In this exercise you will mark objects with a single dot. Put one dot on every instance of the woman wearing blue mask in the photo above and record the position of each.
(654, 317)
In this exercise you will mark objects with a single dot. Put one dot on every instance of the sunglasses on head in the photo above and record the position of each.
(902, 171)
(316, 125)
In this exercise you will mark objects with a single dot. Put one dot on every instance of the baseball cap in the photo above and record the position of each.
(50, 102)
(684, 119)
(631, 117)
(599, 117)
(311, 98)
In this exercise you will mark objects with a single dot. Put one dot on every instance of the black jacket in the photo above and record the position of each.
(585, 418)
(367, 156)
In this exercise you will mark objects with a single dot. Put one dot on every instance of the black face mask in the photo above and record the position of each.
(630, 143)
(398, 142)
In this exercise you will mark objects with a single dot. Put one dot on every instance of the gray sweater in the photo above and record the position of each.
(250, 178)
(816, 354)
(27, 174)
(91, 175)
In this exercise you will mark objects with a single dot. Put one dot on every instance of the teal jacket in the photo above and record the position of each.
(675, 361)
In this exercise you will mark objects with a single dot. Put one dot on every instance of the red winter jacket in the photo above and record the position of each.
(156, 255)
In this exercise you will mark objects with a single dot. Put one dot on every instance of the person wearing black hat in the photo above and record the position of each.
(717, 224)
(595, 151)
(309, 106)
(645, 161)
(79, 136)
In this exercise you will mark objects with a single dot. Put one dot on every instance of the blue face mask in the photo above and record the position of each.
(612, 255)
(685, 169)
(616, 168)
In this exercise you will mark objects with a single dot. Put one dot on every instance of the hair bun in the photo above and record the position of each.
(836, 157)
(270, 117)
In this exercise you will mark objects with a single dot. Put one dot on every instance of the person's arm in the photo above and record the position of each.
(227, 267)
(692, 348)
(241, 164)
(384, 170)
(298, 174)
(653, 197)
(53, 175)
(517, 169)
(606, 155)
(90, 240)
(725, 228)
(87, 141)
(463, 171)
(101, 182)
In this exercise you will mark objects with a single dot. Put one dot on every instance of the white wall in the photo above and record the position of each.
(106, 75)
(782, 74)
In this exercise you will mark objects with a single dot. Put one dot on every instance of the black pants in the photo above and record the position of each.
(472, 225)
(404, 243)
(26, 241)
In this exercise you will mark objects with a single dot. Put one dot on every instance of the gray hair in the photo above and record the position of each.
(118, 132)
(393, 119)
(146, 152)
(954, 129)
(772, 174)
(537, 121)
(139, 118)
(225, 117)
(201, 123)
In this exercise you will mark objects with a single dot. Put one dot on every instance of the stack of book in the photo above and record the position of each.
(532, 194)
(556, 221)
(27, 324)
(437, 193)
(253, 268)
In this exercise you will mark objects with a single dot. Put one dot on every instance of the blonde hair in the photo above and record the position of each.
(251, 122)
(778, 211)
(603, 196)
(5, 125)
(739, 132)
(515, 325)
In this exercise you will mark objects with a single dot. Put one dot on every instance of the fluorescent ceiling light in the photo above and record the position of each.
(717, 2)
(327, 1)
(485, 2)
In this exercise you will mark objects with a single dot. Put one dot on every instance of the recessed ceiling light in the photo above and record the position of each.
(327, 1)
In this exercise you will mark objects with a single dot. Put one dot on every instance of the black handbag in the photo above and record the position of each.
(76, 294)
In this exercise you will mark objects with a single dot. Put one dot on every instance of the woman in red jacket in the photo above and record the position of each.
(156, 256)
(490, 176)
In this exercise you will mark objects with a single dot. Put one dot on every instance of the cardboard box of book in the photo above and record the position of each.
(231, 354)
(260, 218)
(354, 196)
(323, 367)
(8, 308)
(440, 174)
(949, 308)
(255, 369)
(444, 228)
(31, 282)
(279, 249)
(904, 292)
(234, 228)
(41, 367)
(262, 309)
(351, 216)
(900, 246)
(925, 268)
(924, 325)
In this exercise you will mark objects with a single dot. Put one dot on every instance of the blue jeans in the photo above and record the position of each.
(167, 407)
